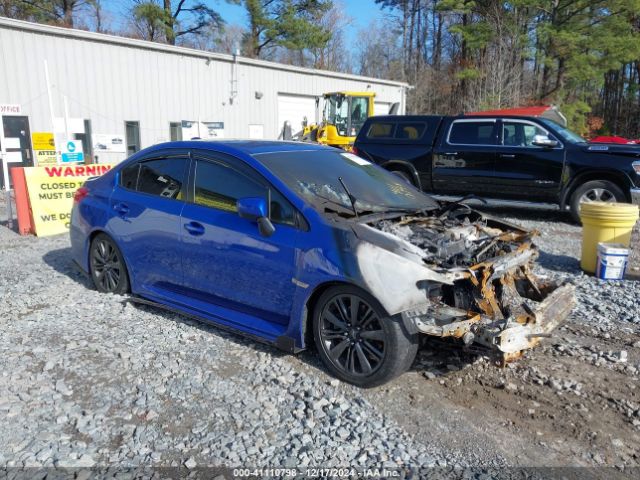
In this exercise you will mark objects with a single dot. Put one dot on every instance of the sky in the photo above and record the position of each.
(362, 12)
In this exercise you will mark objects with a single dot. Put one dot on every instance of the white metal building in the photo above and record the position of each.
(117, 95)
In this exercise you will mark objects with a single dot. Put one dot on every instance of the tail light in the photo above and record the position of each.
(355, 151)
(80, 194)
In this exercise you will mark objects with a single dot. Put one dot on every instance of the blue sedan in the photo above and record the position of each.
(290, 243)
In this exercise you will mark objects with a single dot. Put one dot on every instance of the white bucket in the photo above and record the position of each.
(612, 261)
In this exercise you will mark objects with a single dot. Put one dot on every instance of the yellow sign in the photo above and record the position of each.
(46, 157)
(51, 192)
(43, 141)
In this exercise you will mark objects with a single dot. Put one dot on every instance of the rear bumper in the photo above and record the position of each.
(635, 196)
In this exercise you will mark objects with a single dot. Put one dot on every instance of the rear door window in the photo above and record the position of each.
(475, 132)
(380, 130)
(164, 177)
(410, 131)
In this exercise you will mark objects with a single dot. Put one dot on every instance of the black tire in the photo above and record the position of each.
(403, 175)
(108, 269)
(366, 352)
(595, 190)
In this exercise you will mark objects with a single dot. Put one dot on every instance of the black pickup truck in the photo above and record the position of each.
(505, 157)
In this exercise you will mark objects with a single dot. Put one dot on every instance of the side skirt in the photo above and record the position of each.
(281, 342)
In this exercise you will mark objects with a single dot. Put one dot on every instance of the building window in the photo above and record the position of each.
(133, 136)
(175, 131)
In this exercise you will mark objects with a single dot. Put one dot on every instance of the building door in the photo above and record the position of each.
(294, 109)
(15, 145)
(381, 108)
(175, 131)
(85, 139)
(132, 130)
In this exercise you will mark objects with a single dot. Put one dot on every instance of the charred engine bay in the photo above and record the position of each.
(456, 238)
(460, 238)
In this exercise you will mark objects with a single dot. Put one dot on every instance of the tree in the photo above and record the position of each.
(150, 21)
(166, 22)
(379, 54)
(334, 54)
(291, 24)
(59, 12)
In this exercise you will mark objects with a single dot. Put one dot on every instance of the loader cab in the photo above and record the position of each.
(343, 115)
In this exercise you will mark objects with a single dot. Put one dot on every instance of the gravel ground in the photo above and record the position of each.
(90, 380)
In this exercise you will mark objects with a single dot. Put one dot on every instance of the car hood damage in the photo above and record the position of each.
(475, 278)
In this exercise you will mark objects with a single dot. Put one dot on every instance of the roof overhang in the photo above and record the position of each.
(160, 47)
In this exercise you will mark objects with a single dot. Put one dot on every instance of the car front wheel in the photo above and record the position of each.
(108, 270)
(595, 191)
(357, 341)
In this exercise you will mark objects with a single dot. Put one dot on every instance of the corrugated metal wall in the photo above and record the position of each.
(110, 80)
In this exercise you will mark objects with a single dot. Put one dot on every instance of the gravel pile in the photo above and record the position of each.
(608, 304)
(88, 379)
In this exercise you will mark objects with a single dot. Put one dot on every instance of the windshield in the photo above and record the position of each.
(564, 132)
(313, 174)
(359, 113)
(348, 114)
(337, 113)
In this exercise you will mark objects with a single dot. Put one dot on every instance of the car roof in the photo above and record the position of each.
(417, 118)
(403, 118)
(248, 147)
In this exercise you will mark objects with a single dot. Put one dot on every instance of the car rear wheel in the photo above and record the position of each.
(108, 270)
(357, 341)
(595, 191)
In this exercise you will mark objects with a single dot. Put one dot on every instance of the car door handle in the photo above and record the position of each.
(507, 155)
(121, 208)
(450, 154)
(194, 228)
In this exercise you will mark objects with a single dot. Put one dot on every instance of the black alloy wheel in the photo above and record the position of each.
(594, 191)
(352, 334)
(108, 269)
(357, 341)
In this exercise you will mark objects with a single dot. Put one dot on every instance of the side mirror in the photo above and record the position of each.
(544, 141)
(255, 209)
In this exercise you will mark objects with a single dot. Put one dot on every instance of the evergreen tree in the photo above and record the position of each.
(292, 24)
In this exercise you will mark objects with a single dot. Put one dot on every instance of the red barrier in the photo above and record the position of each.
(25, 222)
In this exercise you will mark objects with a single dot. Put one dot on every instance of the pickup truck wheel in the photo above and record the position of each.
(357, 341)
(403, 175)
(595, 191)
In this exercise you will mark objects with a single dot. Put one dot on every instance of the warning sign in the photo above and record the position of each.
(43, 141)
(51, 192)
(46, 157)
(44, 147)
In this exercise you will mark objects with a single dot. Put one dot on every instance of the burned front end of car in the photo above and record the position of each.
(475, 279)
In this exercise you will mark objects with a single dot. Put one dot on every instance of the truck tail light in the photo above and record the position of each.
(80, 194)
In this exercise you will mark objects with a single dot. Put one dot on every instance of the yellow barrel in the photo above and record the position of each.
(606, 222)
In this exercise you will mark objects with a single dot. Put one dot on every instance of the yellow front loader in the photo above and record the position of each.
(343, 115)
